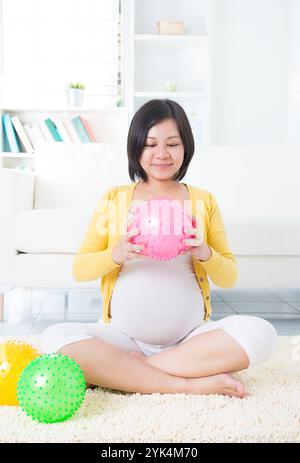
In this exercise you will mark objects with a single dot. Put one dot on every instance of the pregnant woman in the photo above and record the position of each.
(155, 334)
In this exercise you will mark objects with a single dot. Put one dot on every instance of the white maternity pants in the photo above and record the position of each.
(254, 334)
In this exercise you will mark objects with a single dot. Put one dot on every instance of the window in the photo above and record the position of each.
(48, 43)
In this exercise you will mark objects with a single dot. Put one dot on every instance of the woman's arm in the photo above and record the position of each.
(221, 266)
(93, 259)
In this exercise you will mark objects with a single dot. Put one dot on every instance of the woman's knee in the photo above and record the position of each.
(262, 326)
(58, 338)
(75, 348)
(262, 338)
(257, 336)
(54, 330)
(65, 350)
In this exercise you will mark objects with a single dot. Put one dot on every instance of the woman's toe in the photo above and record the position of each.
(240, 389)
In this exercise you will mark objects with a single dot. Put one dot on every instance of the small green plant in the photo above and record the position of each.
(76, 85)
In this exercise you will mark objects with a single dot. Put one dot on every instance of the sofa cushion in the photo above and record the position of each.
(47, 271)
(51, 230)
(62, 231)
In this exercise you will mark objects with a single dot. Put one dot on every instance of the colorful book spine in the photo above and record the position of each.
(53, 129)
(88, 129)
(45, 131)
(61, 128)
(71, 130)
(29, 134)
(22, 135)
(79, 127)
(10, 133)
(5, 146)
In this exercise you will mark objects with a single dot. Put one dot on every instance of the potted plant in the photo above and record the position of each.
(75, 92)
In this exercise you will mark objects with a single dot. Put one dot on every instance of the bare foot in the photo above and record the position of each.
(223, 383)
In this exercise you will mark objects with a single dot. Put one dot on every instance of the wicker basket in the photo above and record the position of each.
(170, 27)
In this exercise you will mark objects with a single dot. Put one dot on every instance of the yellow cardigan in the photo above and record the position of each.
(93, 259)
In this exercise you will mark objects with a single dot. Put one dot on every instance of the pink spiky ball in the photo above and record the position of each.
(161, 223)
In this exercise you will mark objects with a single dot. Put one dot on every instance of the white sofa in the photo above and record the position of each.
(44, 214)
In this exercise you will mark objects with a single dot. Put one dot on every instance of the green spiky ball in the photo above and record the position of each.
(51, 388)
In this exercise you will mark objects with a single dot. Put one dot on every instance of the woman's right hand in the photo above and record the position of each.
(125, 250)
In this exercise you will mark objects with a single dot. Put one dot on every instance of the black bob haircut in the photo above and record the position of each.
(148, 115)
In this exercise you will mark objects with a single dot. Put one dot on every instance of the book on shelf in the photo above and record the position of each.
(53, 129)
(88, 129)
(38, 132)
(5, 146)
(81, 130)
(23, 137)
(71, 130)
(19, 136)
(62, 130)
(34, 133)
(10, 141)
(45, 131)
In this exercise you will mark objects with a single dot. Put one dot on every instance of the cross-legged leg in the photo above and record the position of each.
(202, 355)
(106, 365)
(217, 350)
(94, 347)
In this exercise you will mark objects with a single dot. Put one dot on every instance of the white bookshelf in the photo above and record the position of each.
(150, 59)
(184, 60)
(178, 41)
(108, 125)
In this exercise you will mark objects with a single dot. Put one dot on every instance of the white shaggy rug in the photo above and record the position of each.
(270, 414)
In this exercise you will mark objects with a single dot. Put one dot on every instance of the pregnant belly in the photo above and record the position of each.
(159, 311)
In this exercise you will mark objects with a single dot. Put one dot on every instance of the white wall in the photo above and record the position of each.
(294, 82)
(250, 73)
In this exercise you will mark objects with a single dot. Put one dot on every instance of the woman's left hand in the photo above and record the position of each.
(196, 246)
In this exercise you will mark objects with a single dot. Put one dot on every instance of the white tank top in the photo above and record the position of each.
(157, 302)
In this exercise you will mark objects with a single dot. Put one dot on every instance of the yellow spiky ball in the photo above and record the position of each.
(14, 357)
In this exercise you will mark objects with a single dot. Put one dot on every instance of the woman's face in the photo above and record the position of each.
(163, 153)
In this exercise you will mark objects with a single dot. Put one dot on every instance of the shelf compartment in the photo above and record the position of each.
(178, 41)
